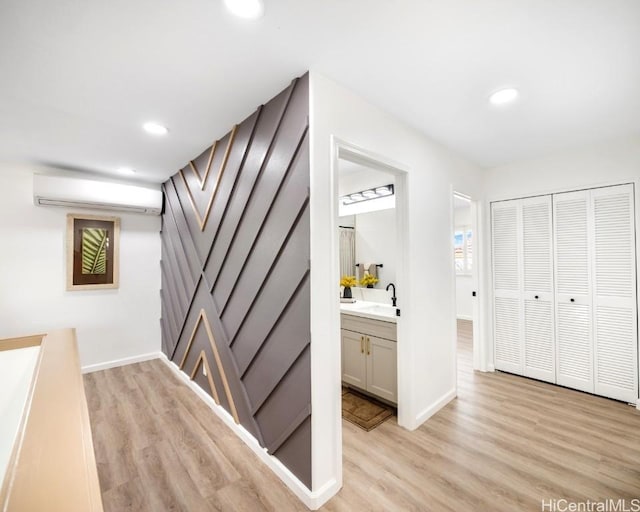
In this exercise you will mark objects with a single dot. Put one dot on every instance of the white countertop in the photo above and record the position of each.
(373, 310)
(16, 368)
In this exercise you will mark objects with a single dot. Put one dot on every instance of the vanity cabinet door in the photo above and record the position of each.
(382, 368)
(354, 359)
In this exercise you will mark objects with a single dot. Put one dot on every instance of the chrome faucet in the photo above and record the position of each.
(393, 297)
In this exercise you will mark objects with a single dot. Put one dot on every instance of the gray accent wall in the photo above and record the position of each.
(235, 275)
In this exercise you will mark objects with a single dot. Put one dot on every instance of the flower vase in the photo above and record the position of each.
(369, 286)
(346, 294)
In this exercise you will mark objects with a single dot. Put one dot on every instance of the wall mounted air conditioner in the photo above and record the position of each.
(95, 195)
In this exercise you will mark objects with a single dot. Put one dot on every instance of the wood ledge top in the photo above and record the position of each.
(53, 464)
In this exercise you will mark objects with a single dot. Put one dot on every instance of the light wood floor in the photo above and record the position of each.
(505, 443)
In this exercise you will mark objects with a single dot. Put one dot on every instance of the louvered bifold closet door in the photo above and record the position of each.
(572, 241)
(507, 310)
(614, 290)
(538, 295)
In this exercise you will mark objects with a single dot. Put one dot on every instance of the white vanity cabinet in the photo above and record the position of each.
(354, 359)
(369, 356)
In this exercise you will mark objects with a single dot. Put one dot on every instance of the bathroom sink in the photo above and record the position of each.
(373, 310)
(380, 309)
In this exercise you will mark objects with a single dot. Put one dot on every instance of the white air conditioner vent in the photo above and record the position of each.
(96, 195)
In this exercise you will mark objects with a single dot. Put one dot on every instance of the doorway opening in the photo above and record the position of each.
(370, 234)
(465, 261)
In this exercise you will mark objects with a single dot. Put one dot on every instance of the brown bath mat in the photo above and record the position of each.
(363, 411)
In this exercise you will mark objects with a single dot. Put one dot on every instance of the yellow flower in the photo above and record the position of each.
(368, 279)
(348, 281)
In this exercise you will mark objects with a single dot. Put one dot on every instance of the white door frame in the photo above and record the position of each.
(343, 150)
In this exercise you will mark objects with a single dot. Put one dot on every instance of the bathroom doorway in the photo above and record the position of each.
(370, 234)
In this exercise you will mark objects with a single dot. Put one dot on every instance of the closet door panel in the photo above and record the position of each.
(574, 346)
(538, 306)
(508, 346)
(572, 242)
(615, 313)
(539, 343)
(507, 308)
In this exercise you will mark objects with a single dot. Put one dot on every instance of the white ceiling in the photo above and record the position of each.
(79, 78)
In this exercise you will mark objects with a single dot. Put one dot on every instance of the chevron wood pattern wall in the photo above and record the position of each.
(235, 275)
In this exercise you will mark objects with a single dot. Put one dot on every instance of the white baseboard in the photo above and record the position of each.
(638, 404)
(313, 500)
(465, 317)
(435, 407)
(120, 362)
(491, 368)
(324, 494)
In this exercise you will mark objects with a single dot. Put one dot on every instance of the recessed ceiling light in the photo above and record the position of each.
(126, 170)
(155, 128)
(503, 96)
(247, 9)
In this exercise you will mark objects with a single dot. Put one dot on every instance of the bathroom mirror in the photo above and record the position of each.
(367, 223)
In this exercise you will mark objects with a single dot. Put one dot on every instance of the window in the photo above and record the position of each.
(463, 250)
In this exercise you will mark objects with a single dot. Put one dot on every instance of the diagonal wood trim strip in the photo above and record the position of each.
(202, 220)
(203, 318)
(191, 200)
(195, 171)
(192, 165)
(191, 338)
(223, 167)
(223, 375)
(202, 359)
(206, 173)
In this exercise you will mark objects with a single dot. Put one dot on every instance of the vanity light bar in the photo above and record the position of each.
(366, 195)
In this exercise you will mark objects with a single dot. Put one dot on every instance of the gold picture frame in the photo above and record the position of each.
(93, 252)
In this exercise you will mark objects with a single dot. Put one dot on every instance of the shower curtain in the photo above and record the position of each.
(347, 252)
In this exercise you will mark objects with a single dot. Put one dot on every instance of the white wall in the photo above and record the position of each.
(427, 326)
(111, 324)
(375, 243)
(582, 167)
(348, 221)
(361, 179)
(602, 164)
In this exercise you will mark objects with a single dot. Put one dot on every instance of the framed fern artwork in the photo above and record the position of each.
(92, 252)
